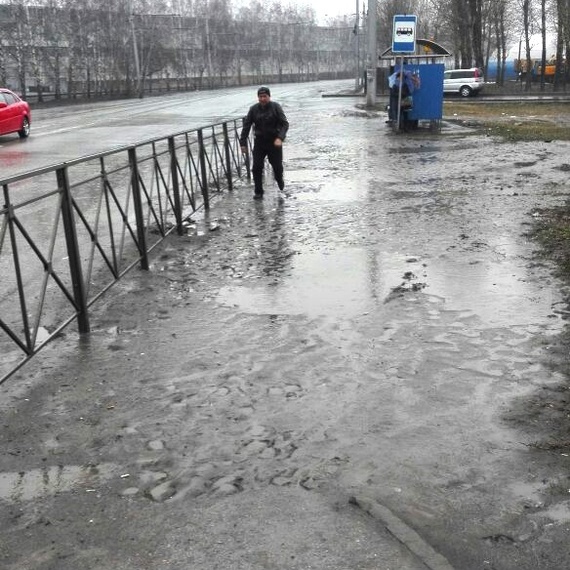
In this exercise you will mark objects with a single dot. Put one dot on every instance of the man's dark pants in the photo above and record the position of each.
(266, 148)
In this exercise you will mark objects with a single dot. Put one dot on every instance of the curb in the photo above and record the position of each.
(351, 94)
(405, 534)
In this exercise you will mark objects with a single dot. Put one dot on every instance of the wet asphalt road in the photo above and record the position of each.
(71, 131)
(386, 331)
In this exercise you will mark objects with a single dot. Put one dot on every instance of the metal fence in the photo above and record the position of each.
(70, 231)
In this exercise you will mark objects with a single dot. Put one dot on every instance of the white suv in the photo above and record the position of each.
(466, 82)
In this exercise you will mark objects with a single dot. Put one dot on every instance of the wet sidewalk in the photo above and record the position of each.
(336, 381)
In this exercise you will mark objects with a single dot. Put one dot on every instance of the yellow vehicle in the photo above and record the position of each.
(536, 69)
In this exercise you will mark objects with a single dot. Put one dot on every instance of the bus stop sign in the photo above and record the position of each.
(404, 34)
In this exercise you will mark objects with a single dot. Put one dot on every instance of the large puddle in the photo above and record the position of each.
(351, 281)
(496, 292)
(319, 284)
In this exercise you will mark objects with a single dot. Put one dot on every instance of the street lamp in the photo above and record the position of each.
(372, 55)
(357, 48)
(136, 51)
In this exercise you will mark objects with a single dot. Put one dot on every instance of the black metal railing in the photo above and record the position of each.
(70, 231)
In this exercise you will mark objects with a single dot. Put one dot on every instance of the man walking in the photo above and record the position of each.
(270, 130)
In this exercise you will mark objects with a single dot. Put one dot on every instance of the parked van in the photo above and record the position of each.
(466, 82)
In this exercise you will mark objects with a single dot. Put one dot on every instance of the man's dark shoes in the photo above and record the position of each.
(281, 184)
(258, 196)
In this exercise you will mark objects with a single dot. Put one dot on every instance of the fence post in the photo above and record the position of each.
(73, 250)
(246, 156)
(137, 203)
(175, 185)
(203, 170)
(228, 157)
(18, 274)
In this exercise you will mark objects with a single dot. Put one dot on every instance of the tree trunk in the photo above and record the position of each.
(526, 24)
(543, 58)
(476, 24)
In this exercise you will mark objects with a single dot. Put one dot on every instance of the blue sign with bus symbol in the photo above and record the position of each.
(404, 34)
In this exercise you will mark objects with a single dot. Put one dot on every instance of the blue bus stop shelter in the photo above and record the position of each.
(427, 64)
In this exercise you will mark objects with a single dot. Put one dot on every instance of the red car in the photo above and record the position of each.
(15, 115)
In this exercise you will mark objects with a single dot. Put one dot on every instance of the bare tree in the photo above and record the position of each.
(4, 39)
(115, 46)
(17, 46)
(543, 55)
(527, 23)
(562, 73)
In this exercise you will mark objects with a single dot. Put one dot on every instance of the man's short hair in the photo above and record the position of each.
(264, 90)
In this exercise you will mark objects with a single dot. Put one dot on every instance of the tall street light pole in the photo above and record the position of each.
(372, 55)
(139, 88)
(357, 49)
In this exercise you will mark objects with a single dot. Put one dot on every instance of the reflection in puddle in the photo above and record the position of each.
(346, 282)
(529, 491)
(559, 513)
(42, 335)
(320, 284)
(11, 157)
(350, 281)
(28, 485)
(496, 292)
(333, 190)
(534, 492)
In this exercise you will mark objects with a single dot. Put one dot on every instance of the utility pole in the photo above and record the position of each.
(372, 59)
(357, 55)
(139, 87)
(209, 50)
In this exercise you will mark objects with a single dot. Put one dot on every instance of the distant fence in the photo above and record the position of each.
(70, 231)
(82, 91)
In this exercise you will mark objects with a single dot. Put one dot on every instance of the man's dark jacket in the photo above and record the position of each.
(270, 123)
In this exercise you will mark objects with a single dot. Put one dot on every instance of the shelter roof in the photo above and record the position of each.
(424, 48)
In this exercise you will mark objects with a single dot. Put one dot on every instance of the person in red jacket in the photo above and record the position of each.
(270, 129)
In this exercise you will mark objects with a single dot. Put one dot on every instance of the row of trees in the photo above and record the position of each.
(98, 47)
(476, 31)
(88, 47)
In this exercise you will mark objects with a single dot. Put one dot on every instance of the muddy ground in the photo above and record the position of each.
(389, 330)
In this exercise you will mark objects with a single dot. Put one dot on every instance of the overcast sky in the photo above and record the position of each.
(334, 7)
(326, 8)
(323, 8)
